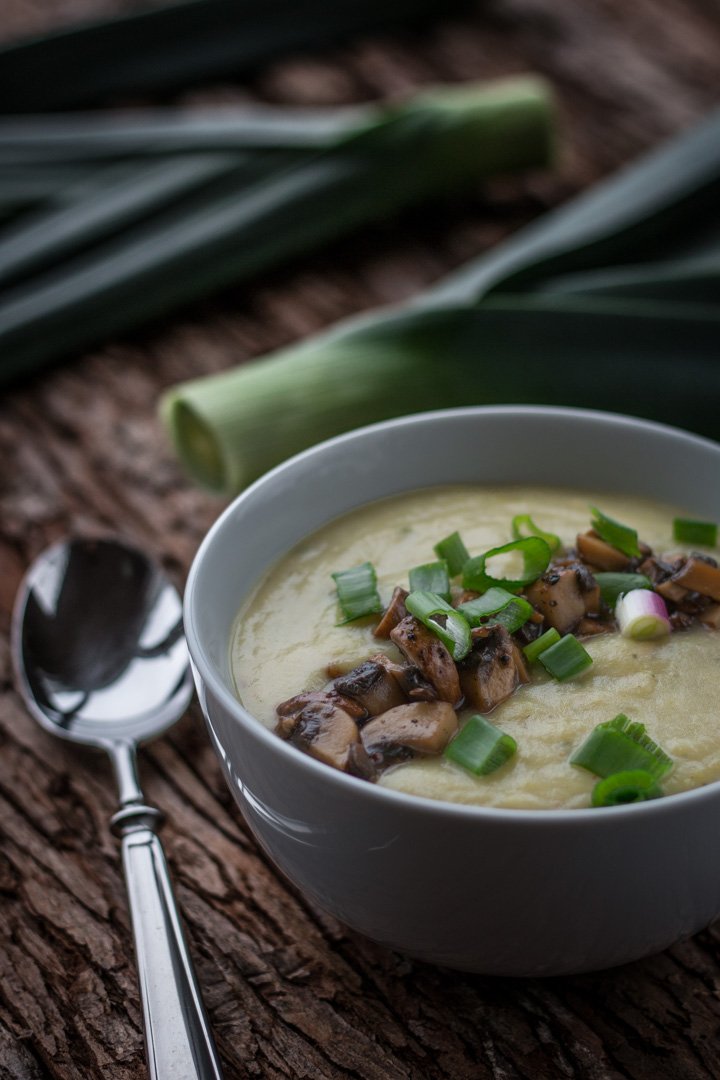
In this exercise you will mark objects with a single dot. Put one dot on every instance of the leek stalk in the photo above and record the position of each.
(230, 428)
(500, 331)
(186, 225)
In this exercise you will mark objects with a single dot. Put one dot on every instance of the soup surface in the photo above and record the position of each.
(286, 634)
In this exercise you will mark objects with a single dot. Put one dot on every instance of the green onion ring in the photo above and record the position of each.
(454, 634)
(536, 557)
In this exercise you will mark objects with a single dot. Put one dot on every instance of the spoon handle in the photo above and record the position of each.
(177, 1033)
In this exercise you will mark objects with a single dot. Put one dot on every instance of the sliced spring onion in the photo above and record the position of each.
(536, 556)
(533, 649)
(357, 591)
(566, 658)
(688, 531)
(615, 534)
(453, 631)
(431, 577)
(631, 786)
(642, 615)
(612, 585)
(454, 552)
(523, 525)
(508, 610)
(480, 747)
(621, 745)
(513, 616)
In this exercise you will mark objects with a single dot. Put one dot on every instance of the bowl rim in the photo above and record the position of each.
(319, 772)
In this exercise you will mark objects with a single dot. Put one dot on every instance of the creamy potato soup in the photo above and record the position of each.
(287, 641)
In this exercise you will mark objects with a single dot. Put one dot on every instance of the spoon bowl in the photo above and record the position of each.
(100, 657)
(99, 640)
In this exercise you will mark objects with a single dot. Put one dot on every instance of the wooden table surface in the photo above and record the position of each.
(291, 993)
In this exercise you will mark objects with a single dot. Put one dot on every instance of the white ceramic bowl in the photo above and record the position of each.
(511, 892)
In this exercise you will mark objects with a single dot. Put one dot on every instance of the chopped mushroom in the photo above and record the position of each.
(326, 732)
(700, 574)
(394, 613)
(421, 727)
(289, 711)
(519, 660)
(531, 629)
(659, 570)
(465, 597)
(373, 686)
(593, 550)
(410, 679)
(560, 597)
(660, 573)
(591, 625)
(589, 589)
(670, 590)
(360, 764)
(426, 652)
(493, 670)
(694, 602)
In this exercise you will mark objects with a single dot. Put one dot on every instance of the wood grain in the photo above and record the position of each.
(290, 992)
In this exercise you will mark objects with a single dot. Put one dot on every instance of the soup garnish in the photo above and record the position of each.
(532, 650)
(621, 745)
(357, 592)
(454, 552)
(472, 630)
(622, 788)
(689, 531)
(536, 555)
(523, 525)
(642, 615)
(480, 747)
(613, 585)
(618, 536)
(566, 659)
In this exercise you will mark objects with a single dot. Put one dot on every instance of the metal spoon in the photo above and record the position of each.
(101, 659)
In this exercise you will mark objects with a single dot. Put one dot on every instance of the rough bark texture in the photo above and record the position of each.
(290, 992)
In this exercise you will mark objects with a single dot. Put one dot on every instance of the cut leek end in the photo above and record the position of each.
(194, 442)
(510, 124)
